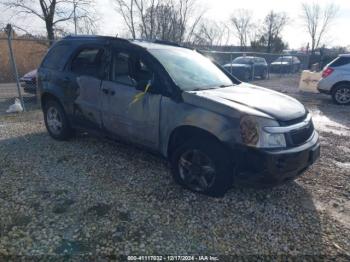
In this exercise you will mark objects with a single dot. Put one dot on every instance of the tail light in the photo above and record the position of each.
(327, 72)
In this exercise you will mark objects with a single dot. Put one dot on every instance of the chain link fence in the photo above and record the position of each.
(248, 66)
(27, 53)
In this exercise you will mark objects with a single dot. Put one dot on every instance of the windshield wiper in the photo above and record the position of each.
(225, 86)
(209, 88)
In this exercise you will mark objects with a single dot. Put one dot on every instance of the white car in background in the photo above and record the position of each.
(335, 80)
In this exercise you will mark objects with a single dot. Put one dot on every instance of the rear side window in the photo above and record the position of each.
(340, 61)
(88, 62)
(57, 57)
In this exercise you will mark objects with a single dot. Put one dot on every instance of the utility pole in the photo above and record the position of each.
(75, 16)
(9, 32)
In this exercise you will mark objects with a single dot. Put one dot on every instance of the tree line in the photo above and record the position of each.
(180, 21)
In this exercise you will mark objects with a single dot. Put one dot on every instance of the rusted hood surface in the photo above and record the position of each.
(265, 101)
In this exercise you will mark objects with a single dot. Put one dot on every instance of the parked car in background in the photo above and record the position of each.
(28, 81)
(214, 129)
(335, 80)
(285, 64)
(243, 67)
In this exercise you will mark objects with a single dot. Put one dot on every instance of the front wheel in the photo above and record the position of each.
(247, 76)
(56, 121)
(202, 167)
(341, 95)
(264, 75)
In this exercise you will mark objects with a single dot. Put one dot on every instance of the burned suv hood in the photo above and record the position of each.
(271, 103)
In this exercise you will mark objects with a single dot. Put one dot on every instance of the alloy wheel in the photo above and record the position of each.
(54, 120)
(197, 170)
(342, 95)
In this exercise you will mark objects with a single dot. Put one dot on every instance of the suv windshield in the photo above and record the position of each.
(191, 70)
(242, 60)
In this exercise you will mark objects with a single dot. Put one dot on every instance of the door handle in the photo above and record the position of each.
(66, 80)
(105, 90)
(112, 92)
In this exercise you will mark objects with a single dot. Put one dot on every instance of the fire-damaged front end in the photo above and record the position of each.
(271, 136)
(300, 149)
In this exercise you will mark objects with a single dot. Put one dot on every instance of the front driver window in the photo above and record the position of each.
(130, 70)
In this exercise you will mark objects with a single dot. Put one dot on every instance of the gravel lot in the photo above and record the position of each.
(100, 198)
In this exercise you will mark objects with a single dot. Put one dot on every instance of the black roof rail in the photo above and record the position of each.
(94, 37)
(157, 41)
(166, 42)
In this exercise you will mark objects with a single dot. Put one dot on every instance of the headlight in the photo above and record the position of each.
(249, 131)
(253, 133)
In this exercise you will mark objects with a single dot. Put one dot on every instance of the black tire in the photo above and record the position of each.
(224, 171)
(264, 74)
(65, 131)
(341, 89)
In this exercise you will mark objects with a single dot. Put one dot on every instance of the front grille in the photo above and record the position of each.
(300, 136)
(293, 121)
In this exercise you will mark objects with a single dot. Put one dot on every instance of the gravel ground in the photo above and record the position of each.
(91, 196)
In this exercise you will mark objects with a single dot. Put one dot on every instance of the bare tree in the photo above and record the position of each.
(161, 22)
(51, 12)
(317, 21)
(186, 10)
(272, 27)
(268, 37)
(126, 8)
(163, 19)
(84, 18)
(211, 33)
(241, 20)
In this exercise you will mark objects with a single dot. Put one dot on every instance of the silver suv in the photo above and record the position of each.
(336, 80)
(214, 130)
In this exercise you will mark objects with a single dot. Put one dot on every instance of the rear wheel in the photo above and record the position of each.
(202, 167)
(341, 94)
(56, 121)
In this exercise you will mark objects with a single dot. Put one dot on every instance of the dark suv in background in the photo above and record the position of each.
(246, 68)
(28, 81)
(214, 130)
(285, 64)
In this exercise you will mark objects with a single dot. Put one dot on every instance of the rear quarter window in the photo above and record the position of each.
(340, 61)
(57, 57)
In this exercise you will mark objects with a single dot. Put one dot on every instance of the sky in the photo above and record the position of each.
(221, 10)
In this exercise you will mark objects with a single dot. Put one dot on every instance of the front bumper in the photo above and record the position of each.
(281, 69)
(322, 91)
(324, 86)
(28, 86)
(263, 167)
(238, 72)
